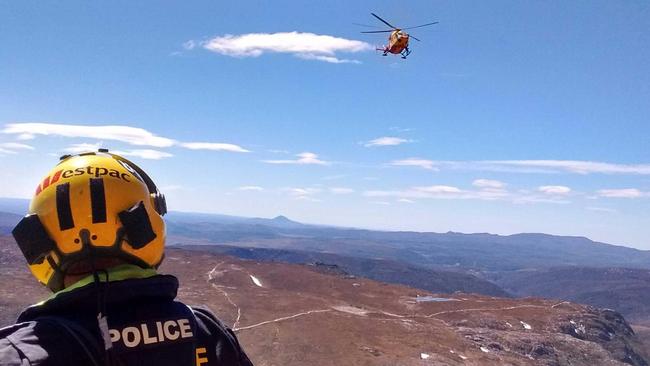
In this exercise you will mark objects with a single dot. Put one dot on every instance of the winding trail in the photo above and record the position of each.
(225, 293)
(282, 319)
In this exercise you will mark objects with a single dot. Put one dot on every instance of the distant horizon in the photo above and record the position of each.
(307, 223)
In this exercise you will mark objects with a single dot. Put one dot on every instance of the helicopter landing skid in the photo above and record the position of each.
(405, 52)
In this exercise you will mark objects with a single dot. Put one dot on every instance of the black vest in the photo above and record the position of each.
(146, 326)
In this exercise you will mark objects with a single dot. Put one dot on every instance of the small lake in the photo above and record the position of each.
(433, 299)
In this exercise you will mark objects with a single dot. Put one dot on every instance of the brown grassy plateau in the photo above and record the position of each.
(292, 315)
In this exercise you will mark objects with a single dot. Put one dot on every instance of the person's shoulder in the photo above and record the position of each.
(211, 325)
(38, 342)
(213, 332)
(17, 344)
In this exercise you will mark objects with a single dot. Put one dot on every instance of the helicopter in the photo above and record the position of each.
(398, 41)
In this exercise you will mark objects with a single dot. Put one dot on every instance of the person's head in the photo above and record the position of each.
(92, 211)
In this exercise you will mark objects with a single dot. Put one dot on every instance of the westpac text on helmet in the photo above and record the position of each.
(95, 172)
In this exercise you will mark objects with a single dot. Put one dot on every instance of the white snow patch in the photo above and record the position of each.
(256, 281)
(462, 357)
(525, 325)
(424, 356)
(508, 324)
(484, 349)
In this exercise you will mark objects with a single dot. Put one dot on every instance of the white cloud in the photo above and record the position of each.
(305, 158)
(302, 191)
(386, 141)
(251, 188)
(536, 199)
(486, 192)
(404, 200)
(189, 45)
(434, 191)
(82, 147)
(13, 147)
(330, 59)
(305, 194)
(382, 203)
(622, 193)
(488, 184)
(554, 166)
(334, 177)
(580, 167)
(438, 189)
(25, 136)
(126, 134)
(532, 166)
(145, 154)
(554, 190)
(400, 129)
(130, 135)
(215, 146)
(341, 190)
(304, 45)
(417, 162)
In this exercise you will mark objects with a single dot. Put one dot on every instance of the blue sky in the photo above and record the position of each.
(515, 116)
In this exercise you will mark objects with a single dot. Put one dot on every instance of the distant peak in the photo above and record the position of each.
(281, 218)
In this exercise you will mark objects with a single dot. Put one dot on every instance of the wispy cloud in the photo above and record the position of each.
(341, 190)
(13, 147)
(554, 190)
(305, 158)
(401, 129)
(386, 141)
(214, 146)
(602, 209)
(382, 203)
(405, 200)
(536, 199)
(487, 191)
(530, 166)
(622, 193)
(416, 162)
(190, 45)
(145, 154)
(140, 153)
(304, 194)
(488, 183)
(577, 166)
(307, 46)
(330, 59)
(334, 177)
(125, 134)
(82, 147)
(250, 188)
(434, 191)
(130, 135)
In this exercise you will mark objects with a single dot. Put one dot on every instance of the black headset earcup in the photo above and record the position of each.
(137, 226)
(32, 239)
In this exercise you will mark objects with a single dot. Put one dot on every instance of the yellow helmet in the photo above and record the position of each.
(92, 205)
